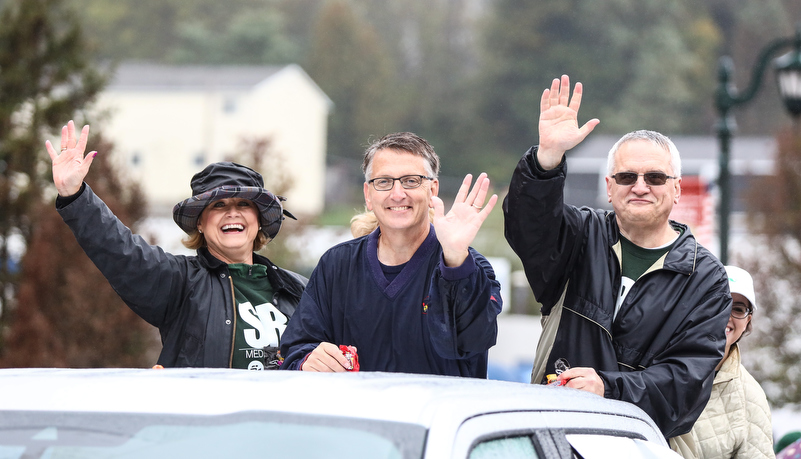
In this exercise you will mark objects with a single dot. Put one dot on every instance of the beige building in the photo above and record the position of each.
(169, 122)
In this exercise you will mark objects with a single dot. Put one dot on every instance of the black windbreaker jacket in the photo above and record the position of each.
(661, 350)
(189, 298)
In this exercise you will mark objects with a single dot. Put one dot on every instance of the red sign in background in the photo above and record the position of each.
(696, 209)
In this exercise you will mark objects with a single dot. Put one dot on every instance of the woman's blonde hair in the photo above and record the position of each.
(365, 223)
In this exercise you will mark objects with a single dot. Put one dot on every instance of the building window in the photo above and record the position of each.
(229, 104)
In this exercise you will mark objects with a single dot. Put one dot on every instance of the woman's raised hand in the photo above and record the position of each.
(70, 166)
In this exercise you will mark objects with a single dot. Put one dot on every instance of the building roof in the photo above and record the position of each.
(138, 76)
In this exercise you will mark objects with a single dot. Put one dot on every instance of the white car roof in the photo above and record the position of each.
(454, 412)
(414, 399)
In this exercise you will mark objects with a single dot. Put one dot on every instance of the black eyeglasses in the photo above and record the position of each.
(408, 182)
(740, 310)
(651, 178)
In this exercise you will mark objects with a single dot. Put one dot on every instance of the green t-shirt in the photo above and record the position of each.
(636, 261)
(258, 322)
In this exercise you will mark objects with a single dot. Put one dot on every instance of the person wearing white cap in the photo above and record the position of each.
(736, 421)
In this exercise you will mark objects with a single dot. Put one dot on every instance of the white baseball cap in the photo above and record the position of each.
(741, 282)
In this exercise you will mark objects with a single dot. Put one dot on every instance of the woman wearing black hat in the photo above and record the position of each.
(225, 307)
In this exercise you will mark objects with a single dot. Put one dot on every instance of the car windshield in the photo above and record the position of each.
(56, 435)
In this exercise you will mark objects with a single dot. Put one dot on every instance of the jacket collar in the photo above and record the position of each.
(209, 261)
(411, 268)
(682, 257)
(731, 366)
(274, 273)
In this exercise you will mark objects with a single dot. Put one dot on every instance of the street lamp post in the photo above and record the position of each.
(788, 71)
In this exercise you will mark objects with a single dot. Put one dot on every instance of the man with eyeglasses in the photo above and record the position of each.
(412, 296)
(628, 298)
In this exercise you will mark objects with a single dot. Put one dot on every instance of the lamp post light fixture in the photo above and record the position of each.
(788, 74)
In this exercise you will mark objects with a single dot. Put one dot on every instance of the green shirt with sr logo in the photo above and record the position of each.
(258, 322)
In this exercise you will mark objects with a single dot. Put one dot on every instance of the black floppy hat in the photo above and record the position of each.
(230, 180)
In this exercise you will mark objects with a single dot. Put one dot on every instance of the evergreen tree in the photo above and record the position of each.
(439, 66)
(60, 311)
(645, 64)
(349, 62)
(67, 314)
(299, 18)
(155, 30)
(45, 77)
(249, 39)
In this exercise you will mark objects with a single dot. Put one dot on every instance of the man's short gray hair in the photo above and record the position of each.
(403, 141)
(660, 140)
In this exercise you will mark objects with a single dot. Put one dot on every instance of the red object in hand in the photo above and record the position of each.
(553, 380)
(350, 353)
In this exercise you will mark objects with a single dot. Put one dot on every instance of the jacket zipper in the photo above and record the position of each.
(233, 329)
(587, 318)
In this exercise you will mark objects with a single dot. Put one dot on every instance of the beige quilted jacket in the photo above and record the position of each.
(736, 421)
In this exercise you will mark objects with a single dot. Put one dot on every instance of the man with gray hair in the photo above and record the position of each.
(633, 307)
(411, 296)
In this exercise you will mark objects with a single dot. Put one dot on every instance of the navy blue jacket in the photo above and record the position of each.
(430, 319)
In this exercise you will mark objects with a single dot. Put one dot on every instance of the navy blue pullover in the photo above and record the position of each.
(431, 319)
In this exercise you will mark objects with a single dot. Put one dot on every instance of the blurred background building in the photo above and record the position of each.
(168, 122)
